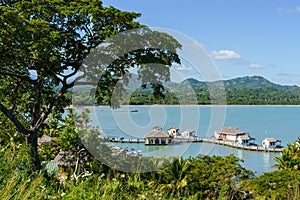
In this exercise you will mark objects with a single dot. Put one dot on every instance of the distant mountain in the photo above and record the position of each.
(257, 82)
(247, 82)
(249, 90)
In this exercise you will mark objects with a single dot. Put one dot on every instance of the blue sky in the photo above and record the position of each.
(243, 37)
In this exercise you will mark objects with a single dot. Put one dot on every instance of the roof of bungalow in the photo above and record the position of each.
(65, 158)
(156, 128)
(272, 140)
(245, 137)
(189, 131)
(45, 139)
(231, 131)
(157, 134)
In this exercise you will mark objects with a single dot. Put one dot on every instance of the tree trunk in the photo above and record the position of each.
(33, 147)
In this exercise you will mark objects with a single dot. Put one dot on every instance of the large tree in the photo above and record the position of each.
(43, 46)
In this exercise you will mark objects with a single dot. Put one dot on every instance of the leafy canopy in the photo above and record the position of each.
(43, 47)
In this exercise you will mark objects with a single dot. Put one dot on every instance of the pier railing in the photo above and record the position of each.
(201, 139)
(240, 146)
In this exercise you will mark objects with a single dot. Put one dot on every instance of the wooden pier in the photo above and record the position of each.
(239, 146)
(198, 139)
(126, 140)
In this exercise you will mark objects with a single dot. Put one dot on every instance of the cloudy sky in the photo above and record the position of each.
(242, 37)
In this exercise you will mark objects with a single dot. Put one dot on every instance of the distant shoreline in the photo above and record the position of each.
(185, 105)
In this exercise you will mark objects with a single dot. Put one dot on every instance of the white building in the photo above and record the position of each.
(271, 143)
(234, 135)
(173, 131)
(188, 133)
(157, 138)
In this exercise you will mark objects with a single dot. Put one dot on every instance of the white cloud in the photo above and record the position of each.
(182, 67)
(256, 66)
(225, 55)
(271, 65)
(237, 59)
(289, 10)
(288, 74)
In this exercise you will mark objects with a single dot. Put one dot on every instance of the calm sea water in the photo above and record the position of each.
(281, 122)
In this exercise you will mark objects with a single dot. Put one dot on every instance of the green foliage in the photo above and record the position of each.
(44, 45)
(262, 96)
(68, 138)
(274, 185)
(14, 160)
(217, 176)
(147, 98)
(174, 177)
(239, 91)
(204, 177)
(289, 158)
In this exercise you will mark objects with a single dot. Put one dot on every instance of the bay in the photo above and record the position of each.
(280, 122)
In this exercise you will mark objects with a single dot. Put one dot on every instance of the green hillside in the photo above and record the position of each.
(253, 90)
(249, 90)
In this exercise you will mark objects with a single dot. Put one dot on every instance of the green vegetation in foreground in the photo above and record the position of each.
(201, 177)
(40, 40)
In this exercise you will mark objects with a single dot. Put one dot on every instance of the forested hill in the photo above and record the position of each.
(249, 90)
(247, 82)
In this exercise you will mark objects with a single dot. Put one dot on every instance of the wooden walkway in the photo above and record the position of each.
(126, 140)
(198, 139)
(239, 146)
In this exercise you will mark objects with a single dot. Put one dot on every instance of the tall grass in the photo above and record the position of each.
(20, 183)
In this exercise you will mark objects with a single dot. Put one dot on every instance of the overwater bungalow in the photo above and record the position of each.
(234, 135)
(188, 133)
(245, 140)
(271, 143)
(157, 137)
(173, 131)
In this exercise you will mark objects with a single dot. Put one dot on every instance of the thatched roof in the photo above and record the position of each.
(156, 128)
(45, 139)
(231, 131)
(157, 134)
(65, 158)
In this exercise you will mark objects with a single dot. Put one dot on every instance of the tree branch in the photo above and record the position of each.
(15, 121)
(65, 77)
(37, 104)
(51, 105)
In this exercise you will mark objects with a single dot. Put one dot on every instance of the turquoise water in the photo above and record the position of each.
(281, 122)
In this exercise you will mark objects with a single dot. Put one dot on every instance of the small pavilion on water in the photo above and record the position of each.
(157, 137)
